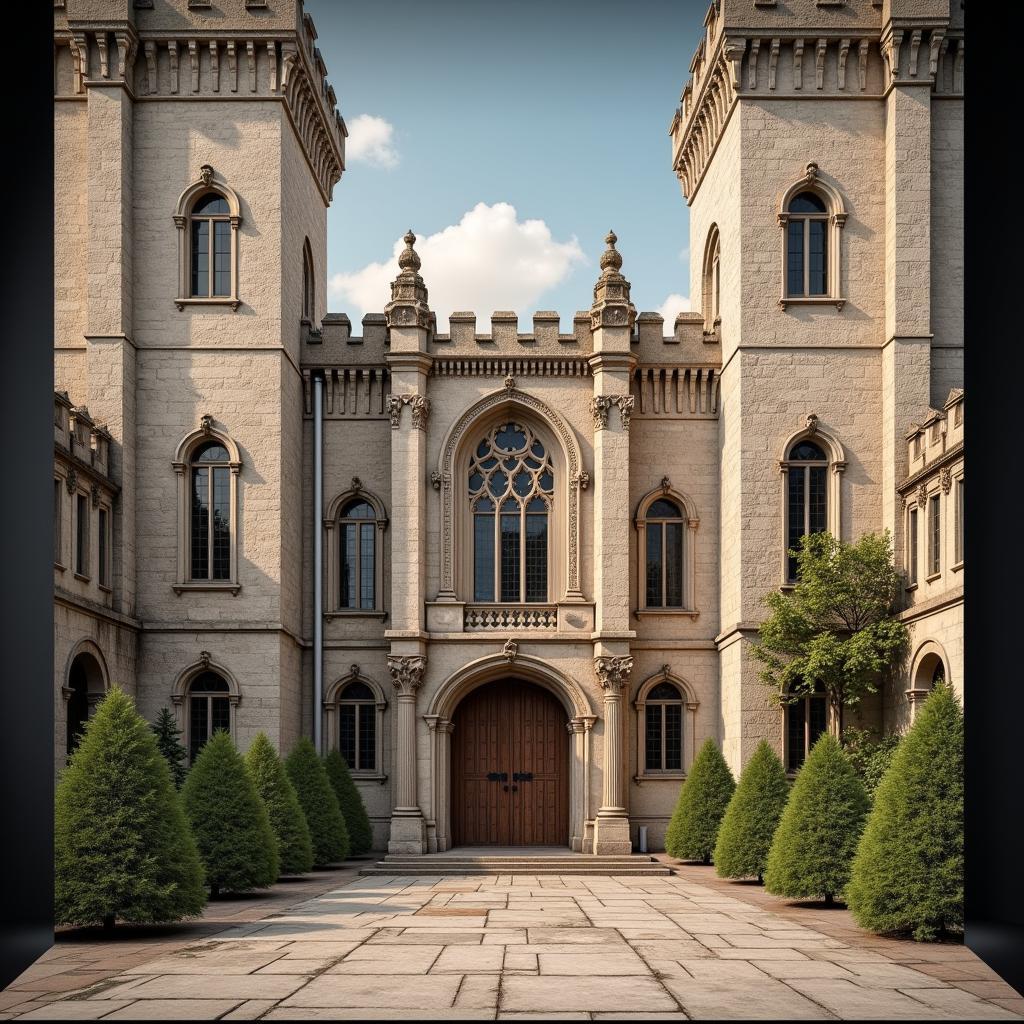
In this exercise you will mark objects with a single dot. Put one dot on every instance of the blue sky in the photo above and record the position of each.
(558, 110)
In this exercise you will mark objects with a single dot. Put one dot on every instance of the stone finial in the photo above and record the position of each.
(408, 306)
(611, 306)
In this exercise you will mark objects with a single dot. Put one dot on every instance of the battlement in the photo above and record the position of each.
(941, 432)
(76, 435)
(195, 48)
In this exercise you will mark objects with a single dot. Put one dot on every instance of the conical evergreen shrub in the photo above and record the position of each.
(350, 800)
(704, 796)
(295, 845)
(122, 842)
(817, 836)
(229, 820)
(168, 740)
(319, 804)
(752, 816)
(908, 874)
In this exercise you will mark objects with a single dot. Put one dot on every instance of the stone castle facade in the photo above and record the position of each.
(514, 574)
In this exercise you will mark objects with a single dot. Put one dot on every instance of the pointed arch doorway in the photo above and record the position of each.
(510, 767)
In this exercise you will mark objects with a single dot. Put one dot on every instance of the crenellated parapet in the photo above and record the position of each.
(180, 49)
(766, 50)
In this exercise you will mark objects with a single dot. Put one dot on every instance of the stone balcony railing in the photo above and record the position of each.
(478, 617)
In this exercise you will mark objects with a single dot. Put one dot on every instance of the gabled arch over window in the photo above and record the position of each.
(666, 523)
(354, 709)
(666, 717)
(355, 522)
(207, 217)
(811, 216)
(811, 464)
(711, 281)
(207, 464)
(205, 696)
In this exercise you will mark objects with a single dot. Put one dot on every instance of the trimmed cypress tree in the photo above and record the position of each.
(817, 836)
(752, 816)
(168, 740)
(908, 874)
(229, 820)
(295, 845)
(704, 796)
(350, 800)
(123, 847)
(319, 804)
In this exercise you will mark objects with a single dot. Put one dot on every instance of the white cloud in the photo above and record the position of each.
(489, 260)
(674, 304)
(370, 141)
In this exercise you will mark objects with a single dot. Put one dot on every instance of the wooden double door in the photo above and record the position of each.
(510, 767)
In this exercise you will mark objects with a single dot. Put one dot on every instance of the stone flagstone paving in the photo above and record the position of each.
(528, 947)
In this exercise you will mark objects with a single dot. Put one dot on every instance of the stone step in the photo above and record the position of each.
(654, 870)
(553, 864)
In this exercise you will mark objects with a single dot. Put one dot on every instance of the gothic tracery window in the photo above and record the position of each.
(511, 489)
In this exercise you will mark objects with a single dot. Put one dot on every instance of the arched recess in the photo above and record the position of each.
(180, 691)
(692, 519)
(85, 682)
(570, 479)
(206, 184)
(711, 280)
(206, 432)
(331, 712)
(690, 706)
(332, 551)
(928, 664)
(488, 669)
(835, 456)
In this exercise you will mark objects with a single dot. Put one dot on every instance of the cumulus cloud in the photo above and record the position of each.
(489, 260)
(370, 141)
(674, 304)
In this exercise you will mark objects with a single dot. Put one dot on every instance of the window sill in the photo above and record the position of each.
(369, 777)
(658, 777)
(356, 613)
(62, 568)
(812, 300)
(83, 578)
(215, 585)
(934, 576)
(956, 568)
(910, 586)
(106, 589)
(691, 613)
(226, 300)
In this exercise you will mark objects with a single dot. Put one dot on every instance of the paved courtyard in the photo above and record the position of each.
(528, 947)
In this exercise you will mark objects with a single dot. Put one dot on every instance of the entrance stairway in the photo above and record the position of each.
(506, 861)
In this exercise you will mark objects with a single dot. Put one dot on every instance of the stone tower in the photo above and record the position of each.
(860, 105)
(167, 113)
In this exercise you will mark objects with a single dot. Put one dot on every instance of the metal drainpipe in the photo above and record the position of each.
(318, 560)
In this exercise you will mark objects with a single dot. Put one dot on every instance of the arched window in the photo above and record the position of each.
(663, 729)
(209, 710)
(806, 498)
(510, 489)
(711, 291)
(308, 283)
(207, 465)
(210, 525)
(812, 216)
(357, 540)
(806, 720)
(86, 686)
(666, 535)
(357, 727)
(207, 217)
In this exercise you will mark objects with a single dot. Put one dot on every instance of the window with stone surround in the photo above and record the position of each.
(806, 719)
(354, 524)
(934, 536)
(912, 546)
(103, 546)
(357, 727)
(806, 498)
(58, 523)
(958, 528)
(82, 535)
(308, 283)
(711, 284)
(209, 710)
(666, 523)
(666, 715)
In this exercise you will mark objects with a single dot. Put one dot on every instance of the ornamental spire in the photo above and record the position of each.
(612, 306)
(408, 306)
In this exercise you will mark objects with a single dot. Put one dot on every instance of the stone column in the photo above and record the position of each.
(611, 829)
(408, 832)
(578, 781)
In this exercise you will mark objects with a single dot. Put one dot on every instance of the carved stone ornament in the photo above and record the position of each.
(666, 485)
(407, 672)
(510, 382)
(810, 173)
(206, 423)
(946, 479)
(206, 174)
(71, 482)
(94, 494)
(625, 404)
(922, 495)
(903, 503)
(357, 484)
(354, 671)
(435, 480)
(204, 659)
(510, 650)
(811, 423)
(599, 406)
(583, 479)
(613, 672)
(419, 404)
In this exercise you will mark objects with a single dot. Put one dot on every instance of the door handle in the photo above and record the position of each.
(522, 776)
(497, 776)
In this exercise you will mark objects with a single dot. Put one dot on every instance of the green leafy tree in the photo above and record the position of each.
(350, 800)
(752, 816)
(813, 847)
(703, 798)
(168, 739)
(295, 845)
(870, 756)
(229, 820)
(319, 804)
(123, 845)
(908, 874)
(837, 624)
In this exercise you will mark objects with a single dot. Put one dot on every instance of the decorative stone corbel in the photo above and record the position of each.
(844, 49)
(80, 48)
(126, 49)
(755, 49)
(420, 412)
(357, 484)
(819, 63)
(215, 64)
(250, 49)
(510, 382)
(354, 671)
(666, 485)
(101, 45)
(922, 496)
(891, 52)
(915, 47)
(734, 50)
(94, 496)
(510, 650)
(232, 66)
(625, 404)
(150, 48)
(582, 479)
(204, 659)
(798, 63)
(773, 61)
(435, 480)
(946, 479)
(958, 67)
(172, 54)
(272, 54)
(71, 481)
(206, 423)
(811, 423)
(613, 672)
(289, 59)
(407, 672)
(599, 406)
(862, 62)
(193, 55)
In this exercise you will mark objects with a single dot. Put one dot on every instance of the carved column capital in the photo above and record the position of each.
(407, 672)
(613, 673)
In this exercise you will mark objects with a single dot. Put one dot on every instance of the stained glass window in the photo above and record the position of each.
(510, 486)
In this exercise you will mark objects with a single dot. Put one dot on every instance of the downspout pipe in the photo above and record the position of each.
(318, 561)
